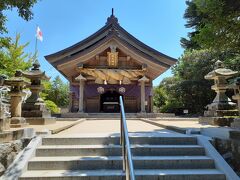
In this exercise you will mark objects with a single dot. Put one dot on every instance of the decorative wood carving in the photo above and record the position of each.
(112, 57)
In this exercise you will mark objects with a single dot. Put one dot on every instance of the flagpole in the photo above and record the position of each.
(35, 55)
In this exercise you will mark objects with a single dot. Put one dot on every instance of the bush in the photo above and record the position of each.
(52, 106)
(170, 107)
(56, 91)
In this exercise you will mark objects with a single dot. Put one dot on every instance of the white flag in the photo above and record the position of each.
(39, 34)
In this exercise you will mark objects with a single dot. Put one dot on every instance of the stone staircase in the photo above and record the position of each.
(99, 158)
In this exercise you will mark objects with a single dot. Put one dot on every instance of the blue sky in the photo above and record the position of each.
(157, 23)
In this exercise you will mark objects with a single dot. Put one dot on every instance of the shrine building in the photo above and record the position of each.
(109, 63)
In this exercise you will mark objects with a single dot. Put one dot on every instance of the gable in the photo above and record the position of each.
(95, 47)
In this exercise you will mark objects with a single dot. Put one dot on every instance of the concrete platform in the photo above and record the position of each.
(40, 120)
(217, 121)
(53, 128)
(11, 135)
(194, 127)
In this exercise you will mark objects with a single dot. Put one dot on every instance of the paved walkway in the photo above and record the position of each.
(112, 127)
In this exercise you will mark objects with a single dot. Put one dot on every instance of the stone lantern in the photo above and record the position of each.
(4, 125)
(36, 76)
(236, 87)
(221, 102)
(2, 79)
(34, 109)
(17, 84)
(221, 106)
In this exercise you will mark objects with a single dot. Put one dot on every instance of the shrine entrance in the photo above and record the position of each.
(109, 102)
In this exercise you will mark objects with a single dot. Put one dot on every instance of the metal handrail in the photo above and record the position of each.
(124, 141)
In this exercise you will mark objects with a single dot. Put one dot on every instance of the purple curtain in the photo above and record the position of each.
(130, 90)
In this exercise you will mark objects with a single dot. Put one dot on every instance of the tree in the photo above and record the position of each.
(194, 91)
(159, 98)
(166, 97)
(52, 106)
(215, 25)
(24, 11)
(56, 91)
(214, 35)
(14, 58)
(23, 8)
(188, 89)
(194, 20)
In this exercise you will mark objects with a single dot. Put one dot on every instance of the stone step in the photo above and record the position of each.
(115, 162)
(171, 140)
(183, 174)
(116, 150)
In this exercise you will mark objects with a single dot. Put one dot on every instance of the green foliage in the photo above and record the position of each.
(165, 96)
(4, 42)
(193, 91)
(188, 89)
(14, 58)
(216, 25)
(23, 8)
(195, 64)
(56, 91)
(215, 34)
(159, 97)
(52, 106)
(170, 107)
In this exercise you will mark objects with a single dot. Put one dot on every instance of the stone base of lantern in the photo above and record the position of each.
(221, 109)
(40, 120)
(217, 121)
(37, 114)
(31, 110)
(236, 123)
(18, 122)
(221, 113)
(4, 124)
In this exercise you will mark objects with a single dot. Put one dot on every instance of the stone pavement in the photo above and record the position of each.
(182, 123)
(111, 127)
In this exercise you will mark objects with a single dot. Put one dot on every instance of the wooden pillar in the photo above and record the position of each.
(142, 81)
(143, 97)
(81, 90)
(81, 80)
(70, 102)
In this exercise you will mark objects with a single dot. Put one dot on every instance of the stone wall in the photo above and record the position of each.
(8, 152)
(230, 150)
